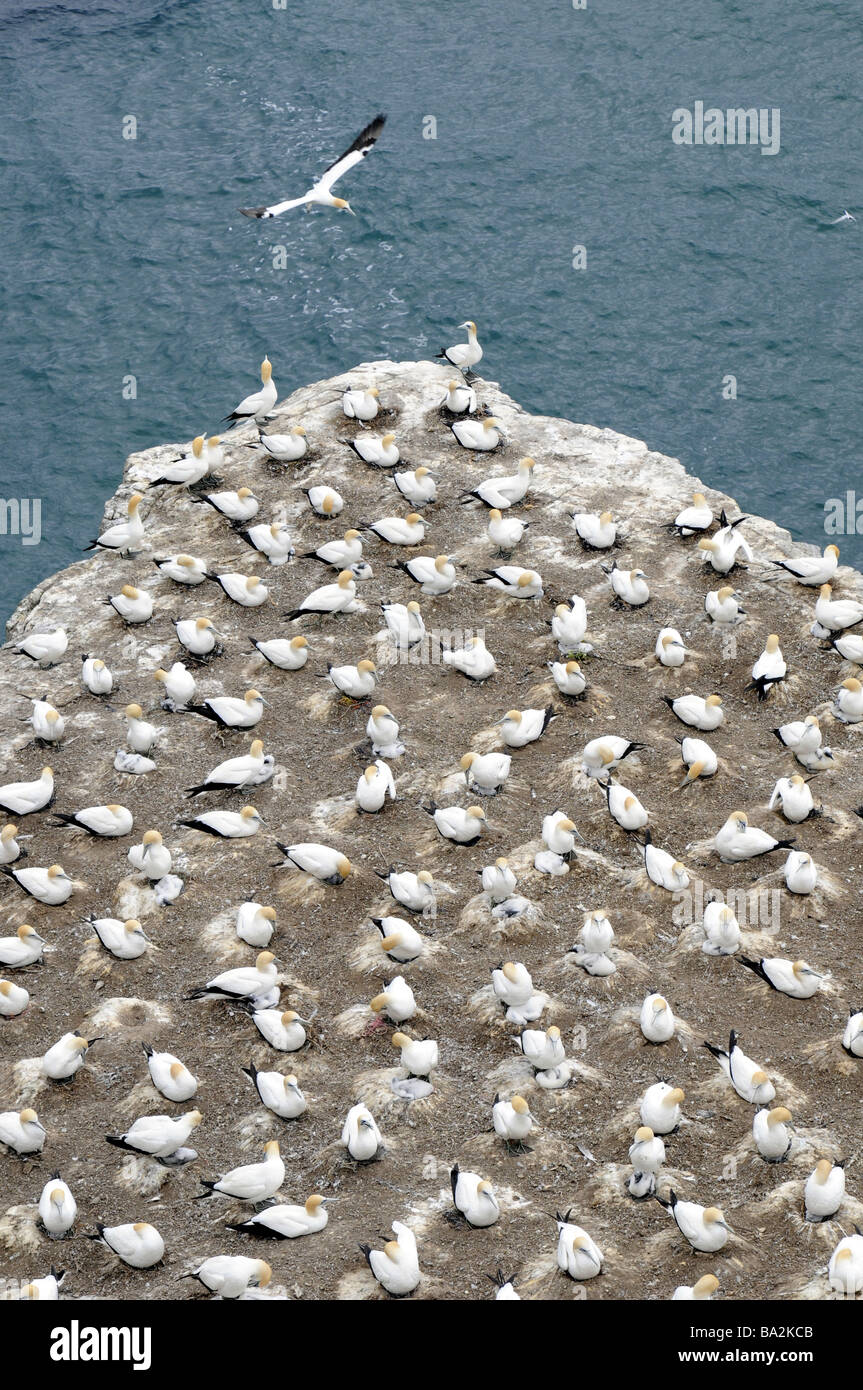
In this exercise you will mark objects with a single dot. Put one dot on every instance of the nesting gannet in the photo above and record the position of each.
(418, 1056)
(704, 1227)
(792, 794)
(749, 1080)
(158, 1136)
(286, 654)
(481, 436)
(361, 404)
(487, 772)
(498, 880)
(559, 833)
(697, 712)
(253, 1182)
(794, 978)
(360, 1134)
(24, 798)
(461, 827)
(289, 1222)
(48, 723)
(374, 786)
(22, 1131)
(320, 194)
(464, 355)
(473, 660)
(520, 727)
(246, 590)
(721, 930)
(698, 758)
(824, 1190)
(722, 606)
(505, 531)
(137, 1244)
(66, 1057)
(226, 825)
(568, 677)
(499, 493)
(125, 940)
(378, 451)
(849, 701)
(435, 575)
(45, 648)
(660, 1107)
(505, 1286)
(109, 821)
(771, 1134)
(140, 733)
(96, 676)
(255, 924)
(737, 840)
(596, 532)
(132, 605)
(278, 1092)
(197, 635)
(320, 861)
(183, 569)
(404, 623)
(511, 982)
(835, 615)
(231, 711)
(248, 770)
(460, 399)
(629, 586)
(187, 470)
(396, 1001)
(845, 1270)
(543, 1050)
(229, 1276)
(169, 1075)
(259, 404)
(800, 735)
(670, 649)
(341, 553)
(812, 570)
(356, 682)
(596, 933)
(700, 1291)
(647, 1155)
(418, 486)
(769, 669)
(849, 646)
(801, 873)
(284, 448)
(13, 998)
(577, 1254)
(51, 886)
(239, 507)
(46, 1290)
(325, 501)
(273, 540)
(414, 891)
(624, 806)
(330, 598)
(656, 1019)
(396, 1267)
(57, 1207)
(383, 731)
(179, 685)
(602, 755)
(283, 1030)
(10, 850)
(852, 1038)
(245, 982)
(397, 530)
(512, 1122)
(473, 1198)
(721, 550)
(514, 581)
(126, 535)
(697, 517)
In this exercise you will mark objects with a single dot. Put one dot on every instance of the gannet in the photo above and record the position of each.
(813, 570)
(325, 501)
(721, 550)
(286, 654)
(629, 586)
(520, 727)
(260, 403)
(413, 891)
(396, 1001)
(374, 786)
(331, 598)
(273, 540)
(768, 669)
(435, 575)
(577, 1254)
(137, 1244)
(569, 624)
(125, 940)
(248, 770)
(835, 615)
(13, 998)
(647, 1155)
(51, 886)
(596, 532)
(418, 486)
(283, 1030)
(464, 355)
(656, 1020)
(511, 982)
(670, 649)
(721, 930)
(132, 605)
(514, 581)
(512, 1122)
(660, 1107)
(380, 451)
(568, 677)
(749, 1080)
(459, 398)
(229, 1276)
(158, 1136)
(704, 1227)
(253, 1182)
(66, 1057)
(361, 404)
(461, 827)
(126, 535)
(849, 701)
(505, 1287)
(824, 1190)
(722, 606)
(245, 982)
(356, 682)
(96, 676)
(852, 1038)
(226, 825)
(10, 850)
(239, 507)
(45, 1290)
(255, 924)
(697, 517)
(487, 772)
(698, 758)
(110, 821)
(179, 685)
(473, 1198)
(383, 731)
(624, 806)
(473, 660)
(596, 933)
(247, 590)
(849, 646)
(794, 978)
(499, 493)
(197, 635)
(771, 1134)
(845, 1270)
(696, 712)
(404, 623)
(395, 1267)
(498, 880)
(481, 436)
(800, 735)
(360, 1134)
(231, 711)
(169, 1075)
(341, 553)
(183, 569)
(320, 194)
(701, 1291)
(737, 840)
(792, 794)
(289, 1222)
(505, 532)
(22, 1131)
(602, 755)
(322, 862)
(140, 734)
(543, 1050)
(57, 1207)
(559, 833)
(187, 470)
(48, 723)
(419, 1057)
(278, 1092)
(45, 648)
(284, 448)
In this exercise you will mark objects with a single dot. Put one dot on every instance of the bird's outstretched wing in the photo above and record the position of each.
(276, 208)
(363, 144)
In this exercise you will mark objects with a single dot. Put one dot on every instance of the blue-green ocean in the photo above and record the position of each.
(715, 310)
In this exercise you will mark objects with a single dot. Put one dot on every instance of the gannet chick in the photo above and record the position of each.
(769, 669)
(413, 891)
(286, 655)
(183, 569)
(140, 734)
(157, 1136)
(749, 1080)
(852, 1038)
(179, 686)
(721, 551)
(320, 861)
(704, 714)
(404, 623)
(656, 1020)
(418, 486)
(245, 982)
(461, 827)
(24, 798)
(197, 635)
(577, 1255)
(356, 682)
(737, 840)
(662, 868)
(794, 978)
(459, 398)
(285, 448)
(373, 788)
(48, 723)
(500, 493)
(95, 676)
(602, 755)
(361, 404)
(513, 581)
(289, 1222)
(330, 598)
(505, 532)
(239, 507)
(396, 1001)
(479, 435)
(596, 532)
(845, 1270)
(133, 605)
(341, 554)
(771, 1134)
(721, 930)
(13, 998)
(110, 822)
(647, 1155)
(45, 1290)
(498, 880)
(66, 1057)
(57, 1207)
(10, 850)
(434, 576)
(704, 1227)
(487, 772)
(473, 660)
(505, 1287)
(260, 403)
(569, 624)
(701, 1291)
(812, 570)
(22, 1131)
(50, 886)
(279, 1093)
(137, 1244)
(360, 1135)
(474, 1198)
(45, 648)
(824, 1190)
(722, 607)
(125, 940)
(849, 701)
(624, 806)
(568, 677)
(283, 1030)
(660, 1107)
(629, 586)
(835, 615)
(543, 1050)
(226, 825)
(512, 1122)
(256, 924)
(801, 873)
(698, 517)
(464, 355)
(419, 1057)
(395, 1267)
(559, 833)
(379, 452)
(150, 857)
(670, 649)
(252, 1182)
(246, 590)
(170, 1077)
(229, 1276)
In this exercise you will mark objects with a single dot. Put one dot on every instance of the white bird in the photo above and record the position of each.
(397, 530)
(45, 648)
(383, 731)
(578, 1255)
(721, 605)
(852, 1038)
(229, 1276)
(629, 586)
(23, 798)
(361, 404)
(624, 806)
(505, 532)
(404, 623)
(179, 684)
(414, 891)
(284, 653)
(835, 615)
(597, 532)
(596, 933)
(670, 649)
(701, 1291)
(396, 1001)
(256, 924)
(697, 712)
(157, 1136)
(568, 677)
(96, 676)
(543, 1050)
(330, 598)
(769, 669)
(110, 822)
(487, 772)
(284, 448)
(721, 930)
(325, 501)
(189, 469)
(51, 886)
(320, 194)
(320, 861)
(379, 451)
(10, 850)
(812, 570)
(355, 682)
(183, 569)
(48, 723)
(418, 486)
(801, 873)
(462, 827)
(226, 825)
(464, 355)
(290, 1222)
(250, 769)
(259, 404)
(239, 506)
(737, 840)
(283, 1030)
(57, 1207)
(341, 554)
(460, 398)
(800, 735)
(252, 1182)
(419, 1057)
(132, 605)
(771, 1134)
(849, 701)
(125, 940)
(481, 436)
(232, 712)
(140, 733)
(435, 575)
(66, 1057)
(647, 1155)
(244, 982)
(794, 797)
(704, 1227)
(660, 1107)
(505, 1287)
(824, 1190)
(845, 1270)
(137, 1244)
(698, 758)
(500, 493)
(559, 833)
(521, 727)
(748, 1078)
(13, 999)
(514, 581)
(396, 1267)
(473, 1197)
(499, 881)
(22, 1131)
(360, 1134)
(697, 517)
(197, 635)
(246, 590)
(849, 646)
(374, 786)
(272, 540)
(473, 660)
(794, 978)
(602, 755)
(721, 550)
(512, 1121)
(656, 1020)
(278, 1092)
(169, 1075)
(46, 1290)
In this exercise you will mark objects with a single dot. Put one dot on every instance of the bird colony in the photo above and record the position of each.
(431, 867)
